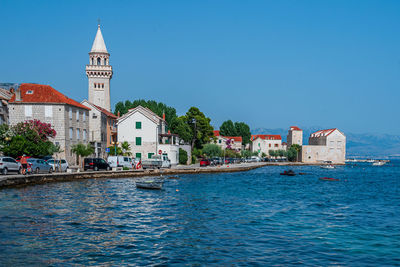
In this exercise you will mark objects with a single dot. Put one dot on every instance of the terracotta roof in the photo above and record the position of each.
(39, 93)
(266, 137)
(216, 133)
(295, 128)
(235, 138)
(105, 111)
(321, 133)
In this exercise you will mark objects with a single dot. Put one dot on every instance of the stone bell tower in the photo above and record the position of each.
(99, 72)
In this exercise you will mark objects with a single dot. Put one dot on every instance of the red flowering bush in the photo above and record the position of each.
(43, 130)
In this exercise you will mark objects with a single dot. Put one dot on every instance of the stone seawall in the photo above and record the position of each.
(24, 180)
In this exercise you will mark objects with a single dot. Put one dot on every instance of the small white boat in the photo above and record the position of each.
(327, 167)
(378, 163)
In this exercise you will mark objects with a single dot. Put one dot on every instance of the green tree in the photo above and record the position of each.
(298, 149)
(263, 155)
(80, 150)
(227, 128)
(201, 130)
(272, 153)
(112, 151)
(212, 150)
(181, 127)
(246, 153)
(183, 157)
(243, 130)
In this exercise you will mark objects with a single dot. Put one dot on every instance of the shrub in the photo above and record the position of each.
(183, 157)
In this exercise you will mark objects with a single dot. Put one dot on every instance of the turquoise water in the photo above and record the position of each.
(249, 218)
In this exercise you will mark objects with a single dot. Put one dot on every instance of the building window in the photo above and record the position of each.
(77, 115)
(139, 155)
(84, 134)
(105, 61)
(276, 145)
(77, 134)
(150, 155)
(138, 141)
(70, 113)
(219, 141)
(92, 61)
(48, 111)
(98, 61)
(138, 125)
(28, 111)
(84, 116)
(71, 133)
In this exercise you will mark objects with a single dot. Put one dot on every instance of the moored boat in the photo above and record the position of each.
(153, 184)
(288, 173)
(327, 167)
(328, 179)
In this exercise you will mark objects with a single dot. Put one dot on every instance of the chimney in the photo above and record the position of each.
(18, 94)
(163, 116)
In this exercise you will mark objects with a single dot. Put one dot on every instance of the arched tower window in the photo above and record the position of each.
(98, 61)
(105, 61)
(92, 61)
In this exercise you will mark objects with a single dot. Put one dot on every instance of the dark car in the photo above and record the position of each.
(95, 164)
(205, 162)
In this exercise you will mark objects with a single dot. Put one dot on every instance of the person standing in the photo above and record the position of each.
(24, 163)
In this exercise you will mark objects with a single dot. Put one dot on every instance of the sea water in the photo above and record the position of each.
(249, 218)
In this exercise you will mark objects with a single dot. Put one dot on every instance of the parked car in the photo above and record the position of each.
(40, 166)
(120, 161)
(8, 164)
(205, 162)
(95, 164)
(57, 164)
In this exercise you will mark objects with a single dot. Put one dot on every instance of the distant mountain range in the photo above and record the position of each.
(357, 145)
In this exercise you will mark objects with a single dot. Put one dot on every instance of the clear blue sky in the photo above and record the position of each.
(271, 64)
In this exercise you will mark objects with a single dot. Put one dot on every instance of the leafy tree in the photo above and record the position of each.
(272, 153)
(183, 157)
(181, 127)
(298, 149)
(227, 128)
(157, 107)
(246, 153)
(81, 150)
(212, 150)
(292, 154)
(112, 151)
(229, 153)
(263, 155)
(201, 130)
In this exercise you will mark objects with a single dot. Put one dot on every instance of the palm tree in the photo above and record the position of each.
(126, 148)
(298, 149)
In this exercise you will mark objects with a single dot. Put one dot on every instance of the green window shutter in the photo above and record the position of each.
(138, 125)
(139, 155)
(150, 155)
(219, 141)
(138, 141)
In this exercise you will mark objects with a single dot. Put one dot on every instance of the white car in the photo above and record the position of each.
(120, 161)
(57, 164)
(8, 164)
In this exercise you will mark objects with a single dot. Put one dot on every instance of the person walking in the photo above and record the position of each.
(24, 163)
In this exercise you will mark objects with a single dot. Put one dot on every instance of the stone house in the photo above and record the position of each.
(295, 136)
(236, 142)
(68, 117)
(102, 128)
(324, 146)
(5, 96)
(263, 143)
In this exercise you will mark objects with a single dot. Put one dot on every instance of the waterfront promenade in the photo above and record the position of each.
(24, 180)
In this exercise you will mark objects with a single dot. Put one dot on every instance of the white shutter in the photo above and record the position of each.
(28, 111)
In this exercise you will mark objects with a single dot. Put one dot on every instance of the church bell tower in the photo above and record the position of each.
(99, 73)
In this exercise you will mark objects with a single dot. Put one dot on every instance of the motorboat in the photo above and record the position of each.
(328, 179)
(288, 173)
(153, 184)
(327, 167)
(379, 163)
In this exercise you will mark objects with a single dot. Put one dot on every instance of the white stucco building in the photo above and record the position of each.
(325, 145)
(99, 73)
(263, 143)
(146, 133)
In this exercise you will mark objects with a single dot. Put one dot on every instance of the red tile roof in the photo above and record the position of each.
(216, 133)
(105, 111)
(295, 128)
(323, 132)
(235, 138)
(266, 137)
(44, 94)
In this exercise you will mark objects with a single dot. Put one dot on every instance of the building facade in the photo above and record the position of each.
(102, 128)
(263, 143)
(231, 142)
(99, 73)
(325, 146)
(141, 128)
(295, 136)
(68, 117)
(5, 96)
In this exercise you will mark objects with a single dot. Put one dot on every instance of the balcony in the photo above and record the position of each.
(113, 129)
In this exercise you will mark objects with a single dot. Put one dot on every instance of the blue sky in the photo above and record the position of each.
(271, 64)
